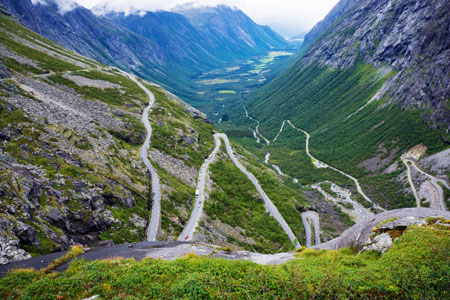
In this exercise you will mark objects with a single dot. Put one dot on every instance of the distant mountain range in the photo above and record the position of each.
(166, 47)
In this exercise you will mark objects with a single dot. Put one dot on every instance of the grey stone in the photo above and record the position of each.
(137, 221)
(402, 223)
(26, 234)
(54, 215)
(118, 113)
(358, 234)
(380, 243)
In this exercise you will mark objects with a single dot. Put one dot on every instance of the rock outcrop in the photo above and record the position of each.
(378, 233)
(3, 72)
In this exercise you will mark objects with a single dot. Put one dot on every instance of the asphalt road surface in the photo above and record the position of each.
(155, 219)
(271, 208)
(192, 224)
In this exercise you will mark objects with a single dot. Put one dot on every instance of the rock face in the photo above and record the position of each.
(378, 233)
(408, 36)
(338, 10)
(3, 72)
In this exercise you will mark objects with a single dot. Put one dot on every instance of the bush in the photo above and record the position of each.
(73, 252)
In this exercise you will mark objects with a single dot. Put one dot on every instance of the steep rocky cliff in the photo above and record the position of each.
(336, 12)
(410, 37)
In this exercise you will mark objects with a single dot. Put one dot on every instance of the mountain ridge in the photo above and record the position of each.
(102, 39)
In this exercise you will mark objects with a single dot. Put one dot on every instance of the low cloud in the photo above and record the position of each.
(64, 6)
(288, 17)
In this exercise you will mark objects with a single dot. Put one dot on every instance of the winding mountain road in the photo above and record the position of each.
(198, 206)
(411, 183)
(188, 231)
(155, 219)
(271, 208)
(314, 218)
(358, 187)
(255, 131)
(434, 182)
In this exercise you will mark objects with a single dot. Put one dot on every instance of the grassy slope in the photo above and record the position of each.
(415, 268)
(235, 201)
(119, 170)
(42, 157)
(319, 99)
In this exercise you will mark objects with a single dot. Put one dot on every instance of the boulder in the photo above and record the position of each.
(3, 72)
(372, 232)
(10, 251)
(137, 221)
(26, 234)
(381, 243)
(55, 216)
(103, 219)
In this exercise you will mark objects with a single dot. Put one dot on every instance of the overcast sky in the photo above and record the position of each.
(287, 17)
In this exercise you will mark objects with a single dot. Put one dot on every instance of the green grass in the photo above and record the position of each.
(319, 99)
(415, 268)
(169, 120)
(227, 92)
(177, 200)
(236, 202)
(111, 96)
(217, 81)
(446, 194)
